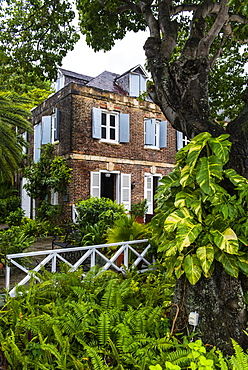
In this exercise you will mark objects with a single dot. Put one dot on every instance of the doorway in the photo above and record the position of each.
(108, 181)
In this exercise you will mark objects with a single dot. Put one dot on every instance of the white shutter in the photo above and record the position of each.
(96, 123)
(46, 129)
(126, 190)
(149, 193)
(134, 85)
(142, 84)
(179, 140)
(124, 128)
(163, 134)
(150, 131)
(25, 199)
(54, 198)
(37, 142)
(95, 184)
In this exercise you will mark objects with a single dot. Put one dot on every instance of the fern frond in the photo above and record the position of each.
(97, 361)
(239, 360)
(179, 357)
(112, 297)
(103, 328)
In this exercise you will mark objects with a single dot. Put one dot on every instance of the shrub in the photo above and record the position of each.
(93, 210)
(15, 217)
(8, 205)
(13, 240)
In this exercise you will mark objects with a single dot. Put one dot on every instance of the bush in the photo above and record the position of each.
(8, 205)
(93, 210)
(38, 228)
(15, 217)
(13, 240)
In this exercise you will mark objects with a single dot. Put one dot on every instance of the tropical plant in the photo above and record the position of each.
(13, 240)
(13, 122)
(101, 321)
(199, 221)
(7, 205)
(93, 210)
(126, 228)
(139, 209)
(15, 217)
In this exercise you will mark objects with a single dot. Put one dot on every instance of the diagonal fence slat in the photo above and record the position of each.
(85, 257)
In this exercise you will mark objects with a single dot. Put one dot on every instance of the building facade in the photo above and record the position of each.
(117, 146)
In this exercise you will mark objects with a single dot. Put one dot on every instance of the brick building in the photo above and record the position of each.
(117, 146)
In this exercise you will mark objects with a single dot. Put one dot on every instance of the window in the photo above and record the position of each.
(155, 133)
(137, 84)
(182, 140)
(109, 126)
(112, 127)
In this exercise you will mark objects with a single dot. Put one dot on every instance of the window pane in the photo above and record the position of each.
(112, 134)
(112, 121)
(104, 133)
(103, 119)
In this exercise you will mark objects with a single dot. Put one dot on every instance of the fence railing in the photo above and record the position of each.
(115, 256)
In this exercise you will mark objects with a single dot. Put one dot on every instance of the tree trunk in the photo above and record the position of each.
(219, 301)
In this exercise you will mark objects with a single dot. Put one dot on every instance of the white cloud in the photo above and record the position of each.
(126, 53)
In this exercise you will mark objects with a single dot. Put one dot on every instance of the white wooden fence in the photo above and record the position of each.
(118, 258)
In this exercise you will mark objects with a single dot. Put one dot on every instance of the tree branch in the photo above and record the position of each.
(221, 19)
(174, 10)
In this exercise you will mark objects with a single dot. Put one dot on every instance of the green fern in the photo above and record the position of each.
(239, 360)
(103, 328)
(97, 361)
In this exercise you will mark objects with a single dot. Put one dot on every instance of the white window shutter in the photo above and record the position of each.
(142, 84)
(163, 134)
(54, 198)
(149, 193)
(124, 128)
(126, 190)
(46, 129)
(134, 85)
(150, 131)
(96, 123)
(56, 125)
(37, 142)
(179, 140)
(25, 199)
(95, 184)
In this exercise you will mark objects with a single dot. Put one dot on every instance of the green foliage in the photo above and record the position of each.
(50, 173)
(8, 205)
(126, 228)
(13, 240)
(13, 122)
(93, 210)
(35, 36)
(201, 214)
(15, 217)
(38, 228)
(139, 209)
(100, 321)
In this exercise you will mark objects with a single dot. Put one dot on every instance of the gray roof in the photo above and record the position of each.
(76, 75)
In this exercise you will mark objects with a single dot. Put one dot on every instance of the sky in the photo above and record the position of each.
(126, 53)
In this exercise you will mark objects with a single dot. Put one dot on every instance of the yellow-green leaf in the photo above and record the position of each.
(226, 240)
(187, 234)
(192, 268)
(206, 257)
(178, 216)
(229, 263)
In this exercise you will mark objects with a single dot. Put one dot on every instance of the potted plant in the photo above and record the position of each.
(138, 210)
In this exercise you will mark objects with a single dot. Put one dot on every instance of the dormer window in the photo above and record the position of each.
(60, 82)
(137, 84)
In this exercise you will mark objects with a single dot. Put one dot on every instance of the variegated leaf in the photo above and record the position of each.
(243, 264)
(234, 177)
(187, 234)
(180, 215)
(229, 263)
(186, 176)
(208, 168)
(178, 267)
(206, 257)
(192, 268)
(220, 147)
(226, 240)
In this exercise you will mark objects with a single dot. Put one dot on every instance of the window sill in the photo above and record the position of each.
(110, 142)
(151, 147)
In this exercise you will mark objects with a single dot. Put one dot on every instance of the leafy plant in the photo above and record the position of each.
(93, 210)
(7, 205)
(201, 213)
(139, 209)
(126, 228)
(13, 240)
(15, 217)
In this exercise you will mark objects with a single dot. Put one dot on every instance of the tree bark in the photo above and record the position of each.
(219, 301)
(181, 91)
